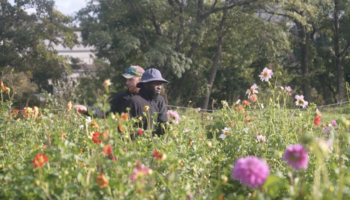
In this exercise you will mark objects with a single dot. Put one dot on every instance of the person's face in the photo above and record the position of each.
(155, 87)
(131, 83)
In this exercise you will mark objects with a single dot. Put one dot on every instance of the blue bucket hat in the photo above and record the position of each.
(151, 75)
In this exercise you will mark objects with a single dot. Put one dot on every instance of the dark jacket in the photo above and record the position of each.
(156, 105)
(116, 102)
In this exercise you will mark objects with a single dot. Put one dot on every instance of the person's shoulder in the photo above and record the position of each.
(160, 98)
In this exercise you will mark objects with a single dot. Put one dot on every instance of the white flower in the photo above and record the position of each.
(198, 109)
(261, 138)
(262, 106)
(225, 133)
(88, 120)
(81, 127)
(237, 102)
(252, 90)
(224, 103)
(300, 101)
(266, 74)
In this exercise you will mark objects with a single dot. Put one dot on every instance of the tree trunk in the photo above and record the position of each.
(338, 56)
(304, 61)
(326, 95)
(214, 69)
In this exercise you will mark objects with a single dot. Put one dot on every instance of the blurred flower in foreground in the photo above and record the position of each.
(146, 108)
(266, 74)
(174, 116)
(225, 133)
(251, 171)
(27, 112)
(261, 138)
(325, 145)
(198, 109)
(253, 98)
(334, 122)
(95, 138)
(252, 90)
(140, 172)
(300, 101)
(39, 160)
(94, 124)
(296, 157)
(102, 181)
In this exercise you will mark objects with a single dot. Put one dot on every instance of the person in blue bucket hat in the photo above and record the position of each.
(149, 101)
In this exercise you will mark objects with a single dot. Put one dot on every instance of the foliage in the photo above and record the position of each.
(55, 155)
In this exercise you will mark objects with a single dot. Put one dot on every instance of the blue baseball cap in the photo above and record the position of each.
(151, 75)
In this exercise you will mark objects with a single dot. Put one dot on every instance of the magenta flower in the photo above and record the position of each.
(334, 122)
(288, 90)
(251, 171)
(300, 101)
(266, 74)
(296, 157)
(174, 116)
(252, 90)
(140, 172)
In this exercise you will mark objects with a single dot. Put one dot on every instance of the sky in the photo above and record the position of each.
(68, 7)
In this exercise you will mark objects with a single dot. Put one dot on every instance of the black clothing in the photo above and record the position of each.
(116, 102)
(156, 105)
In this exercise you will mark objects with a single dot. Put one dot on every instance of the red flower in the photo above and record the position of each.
(140, 131)
(157, 155)
(317, 120)
(107, 150)
(245, 102)
(95, 137)
(39, 160)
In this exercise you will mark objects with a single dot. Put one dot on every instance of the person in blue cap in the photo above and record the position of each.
(150, 101)
(133, 76)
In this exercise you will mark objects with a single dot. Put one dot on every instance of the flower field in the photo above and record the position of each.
(248, 150)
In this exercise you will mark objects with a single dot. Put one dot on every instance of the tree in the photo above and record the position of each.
(27, 39)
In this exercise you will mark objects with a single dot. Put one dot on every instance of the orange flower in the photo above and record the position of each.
(69, 105)
(94, 124)
(123, 117)
(102, 181)
(253, 97)
(15, 111)
(27, 112)
(105, 134)
(146, 108)
(107, 150)
(39, 160)
(95, 137)
(107, 83)
(7, 90)
(2, 86)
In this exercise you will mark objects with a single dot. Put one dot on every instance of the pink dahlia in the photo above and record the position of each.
(266, 74)
(296, 157)
(252, 90)
(140, 172)
(174, 116)
(300, 101)
(334, 122)
(251, 171)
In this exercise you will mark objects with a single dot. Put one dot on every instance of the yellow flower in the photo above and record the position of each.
(107, 83)
(146, 108)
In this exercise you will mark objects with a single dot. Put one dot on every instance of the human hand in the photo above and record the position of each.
(81, 109)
